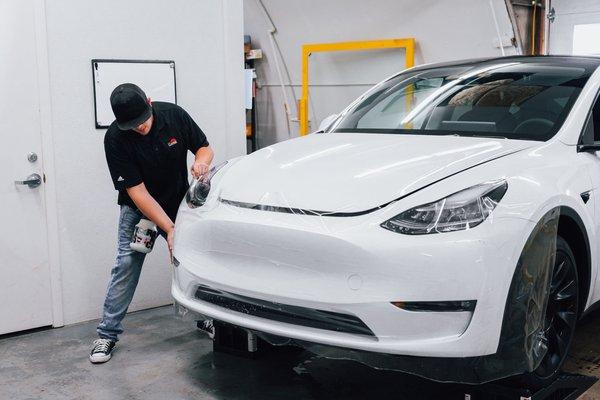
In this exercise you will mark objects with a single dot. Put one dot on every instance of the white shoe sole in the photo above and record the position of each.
(99, 358)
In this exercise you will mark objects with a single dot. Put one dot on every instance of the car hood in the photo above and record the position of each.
(353, 172)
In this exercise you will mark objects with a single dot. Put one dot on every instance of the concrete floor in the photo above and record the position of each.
(162, 357)
(584, 357)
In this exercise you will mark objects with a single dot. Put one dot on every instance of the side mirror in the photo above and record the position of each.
(327, 122)
(588, 148)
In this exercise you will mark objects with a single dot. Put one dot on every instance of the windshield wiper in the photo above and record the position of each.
(469, 134)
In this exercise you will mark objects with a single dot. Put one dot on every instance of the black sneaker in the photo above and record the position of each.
(101, 350)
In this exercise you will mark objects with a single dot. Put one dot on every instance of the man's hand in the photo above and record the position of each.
(170, 238)
(202, 161)
(199, 169)
(153, 211)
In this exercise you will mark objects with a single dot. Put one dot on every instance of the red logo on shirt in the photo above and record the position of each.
(172, 141)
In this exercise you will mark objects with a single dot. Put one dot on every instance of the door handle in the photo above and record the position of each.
(33, 181)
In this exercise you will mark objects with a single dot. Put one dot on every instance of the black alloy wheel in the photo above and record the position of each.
(561, 313)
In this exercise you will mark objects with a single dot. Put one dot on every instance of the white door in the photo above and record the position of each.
(25, 294)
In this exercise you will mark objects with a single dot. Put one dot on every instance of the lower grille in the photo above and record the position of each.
(295, 315)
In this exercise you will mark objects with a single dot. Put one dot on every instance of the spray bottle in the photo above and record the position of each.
(144, 235)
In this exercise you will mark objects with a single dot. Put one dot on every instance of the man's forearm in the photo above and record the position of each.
(204, 155)
(150, 207)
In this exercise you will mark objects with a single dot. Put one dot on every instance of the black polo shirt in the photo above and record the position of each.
(158, 159)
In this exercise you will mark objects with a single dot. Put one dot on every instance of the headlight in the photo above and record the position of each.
(199, 188)
(462, 210)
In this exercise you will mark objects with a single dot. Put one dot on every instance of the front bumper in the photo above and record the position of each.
(351, 266)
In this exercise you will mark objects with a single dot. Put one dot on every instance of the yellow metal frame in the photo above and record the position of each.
(406, 43)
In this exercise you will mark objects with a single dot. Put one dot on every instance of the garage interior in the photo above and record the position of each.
(239, 72)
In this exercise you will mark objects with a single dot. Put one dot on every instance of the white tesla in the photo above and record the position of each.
(444, 224)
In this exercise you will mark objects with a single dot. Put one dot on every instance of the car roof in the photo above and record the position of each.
(588, 62)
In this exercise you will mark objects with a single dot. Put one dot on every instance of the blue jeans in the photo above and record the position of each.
(124, 277)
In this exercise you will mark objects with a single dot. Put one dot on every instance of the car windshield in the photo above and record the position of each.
(515, 100)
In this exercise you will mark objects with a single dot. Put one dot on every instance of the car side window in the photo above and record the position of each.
(591, 131)
(587, 136)
(596, 120)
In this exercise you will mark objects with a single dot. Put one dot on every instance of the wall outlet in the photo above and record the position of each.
(507, 41)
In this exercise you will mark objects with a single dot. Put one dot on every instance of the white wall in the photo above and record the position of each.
(568, 14)
(444, 30)
(205, 40)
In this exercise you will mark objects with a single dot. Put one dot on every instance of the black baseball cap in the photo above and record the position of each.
(130, 106)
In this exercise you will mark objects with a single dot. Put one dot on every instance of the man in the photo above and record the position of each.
(146, 151)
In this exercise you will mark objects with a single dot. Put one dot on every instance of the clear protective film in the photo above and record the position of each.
(523, 344)
(523, 341)
(418, 287)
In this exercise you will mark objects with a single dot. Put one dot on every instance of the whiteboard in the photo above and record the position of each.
(156, 78)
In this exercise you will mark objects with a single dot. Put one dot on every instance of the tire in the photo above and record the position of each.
(561, 317)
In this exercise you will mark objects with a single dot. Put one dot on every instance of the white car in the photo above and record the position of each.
(444, 224)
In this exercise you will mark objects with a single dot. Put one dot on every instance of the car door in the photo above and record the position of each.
(591, 136)
(25, 291)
